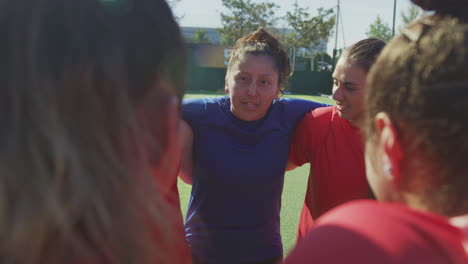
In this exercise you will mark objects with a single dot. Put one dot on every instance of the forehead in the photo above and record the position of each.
(255, 63)
(347, 72)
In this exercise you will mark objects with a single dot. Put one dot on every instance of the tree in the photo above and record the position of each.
(308, 32)
(411, 14)
(380, 30)
(243, 17)
(200, 37)
(323, 56)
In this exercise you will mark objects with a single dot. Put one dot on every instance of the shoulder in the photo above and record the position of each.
(333, 240)
(371, 215)
(197, 108)
(198, 105)
(324, 112)
(321, 114)
(294, 109)
(299, 103)
(379, 233)
(358, 213)
(318, 120)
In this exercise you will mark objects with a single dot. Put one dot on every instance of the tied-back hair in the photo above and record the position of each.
(421, 81)
(262, 43)
(83, 124)
(445, 7)
(364, 52)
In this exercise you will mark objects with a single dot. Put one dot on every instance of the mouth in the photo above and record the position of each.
(341, 107)
(250, 106)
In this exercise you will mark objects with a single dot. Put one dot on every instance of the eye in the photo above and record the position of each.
(265, 82)
(242, 79)
(350, 88)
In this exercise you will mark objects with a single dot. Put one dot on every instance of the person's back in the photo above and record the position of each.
(416, 148)
(90, 92)
(372, 232)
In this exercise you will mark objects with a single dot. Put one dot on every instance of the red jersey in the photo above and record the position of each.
(335, 151)
(376, 232)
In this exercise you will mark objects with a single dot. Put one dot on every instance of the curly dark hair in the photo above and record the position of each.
(262, 42)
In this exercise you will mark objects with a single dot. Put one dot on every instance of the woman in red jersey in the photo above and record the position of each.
(330, 140)
(89, 147)
(416, 149)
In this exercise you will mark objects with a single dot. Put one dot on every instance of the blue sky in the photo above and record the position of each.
(356, 15)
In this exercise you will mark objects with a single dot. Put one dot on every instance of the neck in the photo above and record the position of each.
(442, 206)
(357, 122)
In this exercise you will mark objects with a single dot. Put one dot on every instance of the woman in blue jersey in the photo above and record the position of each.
(239, 154)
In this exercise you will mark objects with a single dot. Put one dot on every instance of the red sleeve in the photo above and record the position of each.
(299, 151)
(309, 134)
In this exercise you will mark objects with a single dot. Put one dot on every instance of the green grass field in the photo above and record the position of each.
(294, 185)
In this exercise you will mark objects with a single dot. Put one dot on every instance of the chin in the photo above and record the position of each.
(342, 115)
(249, 118)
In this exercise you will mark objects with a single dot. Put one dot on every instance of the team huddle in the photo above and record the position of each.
(95, 134)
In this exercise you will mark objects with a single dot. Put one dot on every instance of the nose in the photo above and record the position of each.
(252, 89)
(338, 94)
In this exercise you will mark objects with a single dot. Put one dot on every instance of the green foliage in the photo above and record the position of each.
(243, 17)
(308, 32)
(380, 30)
(323, 56)
(200, 37)
(411, 14)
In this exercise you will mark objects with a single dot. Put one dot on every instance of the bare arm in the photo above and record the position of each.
(186, 165)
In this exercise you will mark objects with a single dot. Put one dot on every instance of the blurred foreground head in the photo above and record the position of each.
(89, 101)
(417, 118)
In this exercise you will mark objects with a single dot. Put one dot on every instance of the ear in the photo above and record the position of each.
(390, 146)
(226, 86)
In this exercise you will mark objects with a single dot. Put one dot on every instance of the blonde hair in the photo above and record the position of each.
(76, 152)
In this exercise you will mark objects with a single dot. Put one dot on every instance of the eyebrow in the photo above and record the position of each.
(264, 75)
(346, 83)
